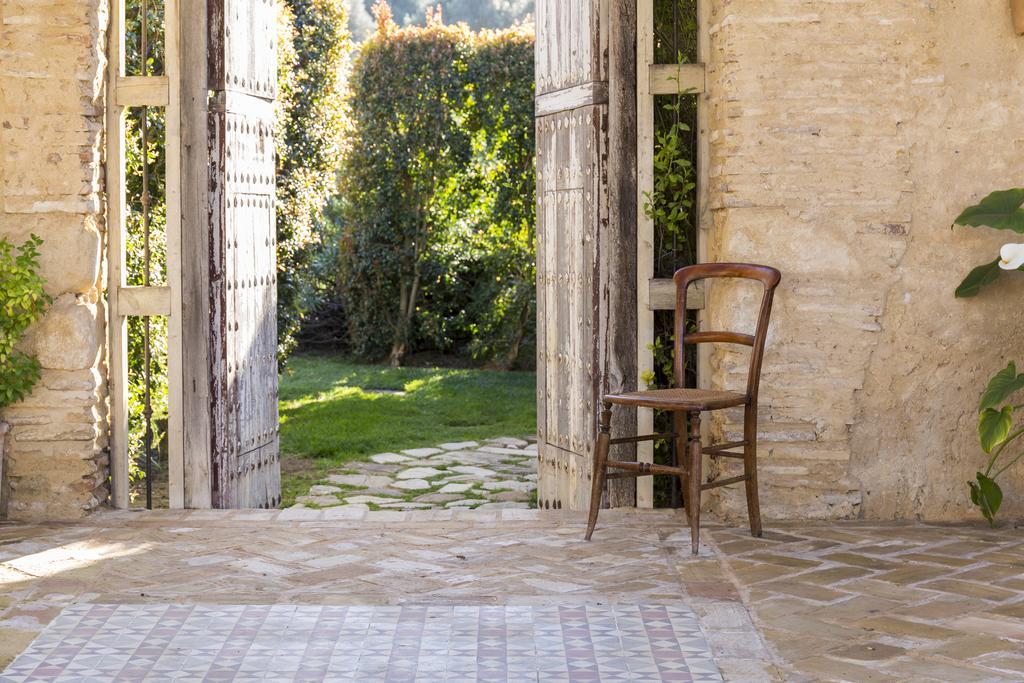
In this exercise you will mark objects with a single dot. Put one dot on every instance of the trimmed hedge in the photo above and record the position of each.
(437, 204)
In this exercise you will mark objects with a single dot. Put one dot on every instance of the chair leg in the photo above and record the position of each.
(694, 481)
(750, 470)
(600, 468)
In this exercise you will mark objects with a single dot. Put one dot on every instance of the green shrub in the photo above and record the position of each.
(437, 196)
(22, 302)
(406, 91)
(501, 181)
(1002, 210)
(313, 49)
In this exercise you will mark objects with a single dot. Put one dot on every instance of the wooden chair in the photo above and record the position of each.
(688, 404)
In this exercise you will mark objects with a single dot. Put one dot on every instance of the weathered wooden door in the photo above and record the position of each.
(232, 458)
(586, 236)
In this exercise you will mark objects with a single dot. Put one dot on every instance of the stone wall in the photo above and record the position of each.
(846, 137)
(51, 131)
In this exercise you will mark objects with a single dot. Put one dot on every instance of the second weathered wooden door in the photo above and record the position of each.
(586, 237)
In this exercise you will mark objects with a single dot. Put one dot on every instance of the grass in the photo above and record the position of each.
(334, 411)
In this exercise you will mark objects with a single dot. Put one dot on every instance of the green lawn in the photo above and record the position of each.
(334, 411)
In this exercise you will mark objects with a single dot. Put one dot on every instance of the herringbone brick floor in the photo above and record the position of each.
(883, 602)
(844, 601)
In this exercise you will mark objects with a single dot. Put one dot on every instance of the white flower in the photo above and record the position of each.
(1011, 256)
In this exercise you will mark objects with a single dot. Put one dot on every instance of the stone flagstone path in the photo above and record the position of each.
(500, 473)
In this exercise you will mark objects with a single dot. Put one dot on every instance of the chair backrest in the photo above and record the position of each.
(684, 277)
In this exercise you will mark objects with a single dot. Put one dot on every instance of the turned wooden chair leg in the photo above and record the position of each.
(600, 468)
(750, 470)
(695, 478)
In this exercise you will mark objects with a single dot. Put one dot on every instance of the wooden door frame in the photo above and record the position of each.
(195, 247)
(122, 93)
(659, 294)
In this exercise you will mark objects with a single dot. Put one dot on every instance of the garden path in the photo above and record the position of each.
(500, 473)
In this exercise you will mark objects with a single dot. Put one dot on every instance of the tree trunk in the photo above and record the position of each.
(407, 308)
(517, 339)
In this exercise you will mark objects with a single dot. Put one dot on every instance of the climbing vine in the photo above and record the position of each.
(22, 302)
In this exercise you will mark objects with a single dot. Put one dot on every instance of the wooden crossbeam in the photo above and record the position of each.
(142, 91)
(646, 437)
(672, 79)
(718, 448)
(567, 99)
(644, 469)
(663, 295)
(143, 301)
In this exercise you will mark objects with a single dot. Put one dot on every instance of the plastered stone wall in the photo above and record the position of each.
(51, 128)
(846, 137)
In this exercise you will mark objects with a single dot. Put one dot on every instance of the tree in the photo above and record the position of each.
(406, 92)
(479, 14)
(437, 192)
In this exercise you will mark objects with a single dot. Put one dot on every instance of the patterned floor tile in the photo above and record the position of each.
(369, 643)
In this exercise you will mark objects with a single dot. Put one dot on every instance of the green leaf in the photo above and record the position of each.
(1000, 210)
(994, 426)
(1006, 383)
(981, 276)
(986, 494)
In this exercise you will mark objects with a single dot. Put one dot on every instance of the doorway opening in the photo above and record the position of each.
(412, 386)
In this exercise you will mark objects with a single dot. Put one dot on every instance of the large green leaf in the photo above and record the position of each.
(994, 426)
(978, 278)
(1001, 210)
(1006, 383)
(986, 494)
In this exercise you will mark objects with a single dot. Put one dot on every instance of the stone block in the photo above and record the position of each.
(72, 248)
(57, 431)
(69, 336)
(54, 479)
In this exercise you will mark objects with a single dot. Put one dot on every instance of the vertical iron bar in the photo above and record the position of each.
(675, 30)
(147, 410)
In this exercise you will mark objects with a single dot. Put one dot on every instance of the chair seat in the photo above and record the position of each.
(679, 399)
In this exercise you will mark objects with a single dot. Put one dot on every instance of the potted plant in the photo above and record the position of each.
(22, 301)
(997, 422)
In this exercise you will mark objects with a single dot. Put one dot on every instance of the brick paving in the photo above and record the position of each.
(809, 602)
(500, 473)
